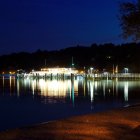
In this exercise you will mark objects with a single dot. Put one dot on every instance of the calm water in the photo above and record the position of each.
(26, 102)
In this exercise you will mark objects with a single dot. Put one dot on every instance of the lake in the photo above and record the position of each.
(25, 102)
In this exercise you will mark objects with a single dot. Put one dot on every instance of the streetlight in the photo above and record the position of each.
(126, 70)
(91, 70)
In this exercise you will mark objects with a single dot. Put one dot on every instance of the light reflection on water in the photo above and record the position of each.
(54, 99)
(67, 88)
(49, 88)
(70, 88)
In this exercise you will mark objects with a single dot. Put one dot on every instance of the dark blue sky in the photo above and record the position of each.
(28, 25)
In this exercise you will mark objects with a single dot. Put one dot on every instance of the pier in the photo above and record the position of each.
(99, 76)
(111, 76)
(72, 73)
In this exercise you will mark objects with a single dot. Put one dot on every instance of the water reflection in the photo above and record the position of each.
(49, 88)
(91, 91)
(72, 89)
(126, 91)
(18, 89)
(72, 92)
(40, 100)
(12, 83)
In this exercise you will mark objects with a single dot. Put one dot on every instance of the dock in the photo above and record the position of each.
(99, 76)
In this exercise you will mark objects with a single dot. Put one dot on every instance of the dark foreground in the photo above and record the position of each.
(121, 124)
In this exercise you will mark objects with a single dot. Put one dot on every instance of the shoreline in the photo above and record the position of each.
(122, 123)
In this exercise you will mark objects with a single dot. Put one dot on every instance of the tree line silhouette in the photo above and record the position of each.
(101, 57)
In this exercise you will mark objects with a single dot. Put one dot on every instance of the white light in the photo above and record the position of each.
(91, 91)
(126, 91)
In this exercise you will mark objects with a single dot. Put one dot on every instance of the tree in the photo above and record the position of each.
(130, 19)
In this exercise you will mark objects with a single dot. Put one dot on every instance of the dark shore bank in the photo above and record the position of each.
(119, 124)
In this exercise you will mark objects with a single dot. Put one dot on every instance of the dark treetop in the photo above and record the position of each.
(97, 56)
(130, 19)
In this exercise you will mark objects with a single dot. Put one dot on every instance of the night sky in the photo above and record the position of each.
(29, 25)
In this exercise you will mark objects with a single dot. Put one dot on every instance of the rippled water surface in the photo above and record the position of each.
(29, 101)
